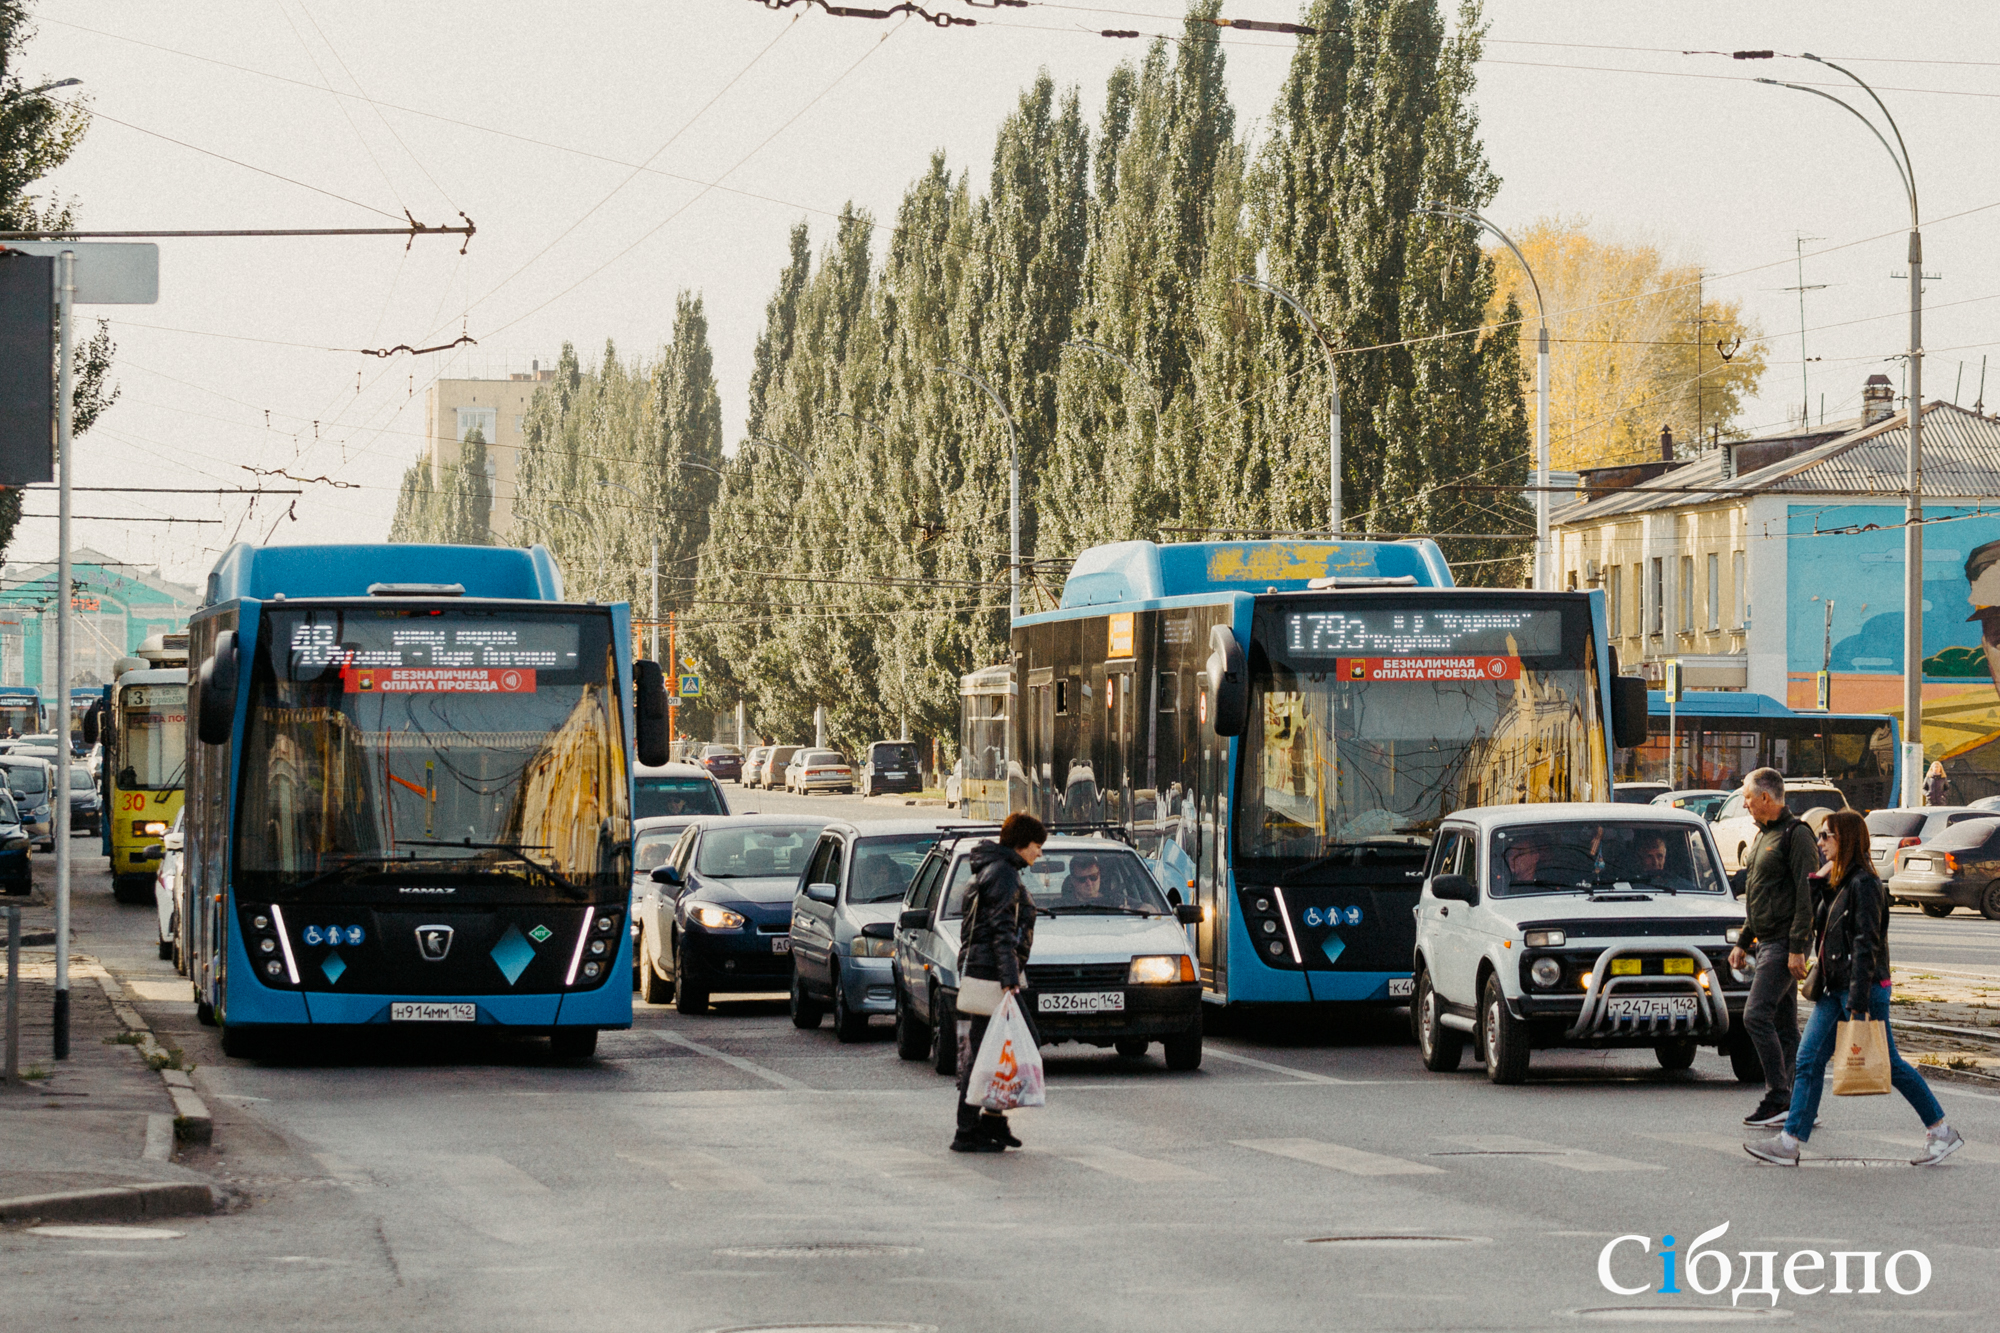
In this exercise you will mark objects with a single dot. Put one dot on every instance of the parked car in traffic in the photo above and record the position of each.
(86, 803)
(1110, 965)
(1592, 925)
(771, 772)
(1699, 801)
(652, 847)
(31, 781)
(721, 920)
(16, 868)
(1638, 793)
(723, 762)
(1960, 867)
(819, 770)
(753, 765)
(1894, 831)
(1735, 829)
(844, 920)
(890, 766)
(675, 789)
(167, 903)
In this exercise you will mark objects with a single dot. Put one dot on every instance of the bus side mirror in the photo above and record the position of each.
(218, 691)
(654, 743)
(90, 721)
(1628, 711)
(1228, 682)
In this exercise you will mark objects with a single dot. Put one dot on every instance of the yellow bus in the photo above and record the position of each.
(145, 760)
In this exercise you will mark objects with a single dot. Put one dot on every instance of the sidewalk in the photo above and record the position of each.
(97, 1127)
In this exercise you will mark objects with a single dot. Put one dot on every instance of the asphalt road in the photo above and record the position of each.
(1964, 941)
(728, 1170)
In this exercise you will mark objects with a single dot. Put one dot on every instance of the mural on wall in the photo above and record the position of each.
(1854, 554)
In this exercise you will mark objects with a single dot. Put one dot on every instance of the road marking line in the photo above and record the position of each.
(1302, 1075)
(1713, 1140)
(485, 1174)
(1971, 1152)
(1570, 1159)
(1129, 1166)
(735, 1061)
(1351, 1160)
(1950, 1091)
(698, 1171)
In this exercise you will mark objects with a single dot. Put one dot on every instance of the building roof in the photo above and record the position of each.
(1961, 462)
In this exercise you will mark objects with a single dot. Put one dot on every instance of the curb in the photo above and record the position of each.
(192, 1122)
(115, 1203)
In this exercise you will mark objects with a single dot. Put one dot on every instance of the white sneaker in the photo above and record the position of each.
(1773, 1150)
(1937, 1147)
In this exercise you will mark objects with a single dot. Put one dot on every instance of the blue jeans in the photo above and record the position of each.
(1816, 1048)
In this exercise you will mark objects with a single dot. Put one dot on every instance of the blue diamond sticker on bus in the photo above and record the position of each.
(333, 967)
(1333, 947)
(540, 934)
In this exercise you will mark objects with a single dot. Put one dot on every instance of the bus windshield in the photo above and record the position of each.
(465, 745)
(152, 741)
(19, 718)
(1373, 717)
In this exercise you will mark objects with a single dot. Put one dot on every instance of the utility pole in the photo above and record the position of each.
(65, 389)
(1799, 240)
(656, 601)
(673, 683)
(1332, 388)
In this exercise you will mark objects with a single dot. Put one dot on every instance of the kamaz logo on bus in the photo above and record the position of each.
(434, 942)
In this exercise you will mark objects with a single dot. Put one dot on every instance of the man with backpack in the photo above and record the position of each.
(1777, 932)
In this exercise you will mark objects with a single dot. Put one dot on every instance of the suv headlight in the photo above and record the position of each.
(1733, 935)
(1545, 972)
(1156, 969)
(716, 918)
(1545, 939)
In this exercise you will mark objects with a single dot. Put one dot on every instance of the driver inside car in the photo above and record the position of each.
(1084, 885)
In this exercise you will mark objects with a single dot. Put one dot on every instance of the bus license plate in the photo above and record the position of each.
(433, 1013)
(1649, 1006)
(781, 944)
(1081, 1002)
(1399, 987)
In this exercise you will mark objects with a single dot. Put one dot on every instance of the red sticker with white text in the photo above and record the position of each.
(437, 680)
(1428, 668)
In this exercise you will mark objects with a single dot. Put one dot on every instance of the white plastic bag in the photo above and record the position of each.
(1008, 1071)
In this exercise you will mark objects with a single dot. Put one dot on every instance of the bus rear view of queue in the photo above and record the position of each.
(409, 795)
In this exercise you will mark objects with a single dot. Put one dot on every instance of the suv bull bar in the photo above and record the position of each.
(1711, 1014)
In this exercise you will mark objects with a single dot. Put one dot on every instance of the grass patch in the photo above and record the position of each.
(126, 1039)
(33, 1072)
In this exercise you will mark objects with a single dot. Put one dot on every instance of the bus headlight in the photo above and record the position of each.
(1158, 969)
(1546, 972)
(155, 828)
(716, 918)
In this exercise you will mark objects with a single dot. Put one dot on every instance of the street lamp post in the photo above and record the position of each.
(1913, 514)
(1333, 388)
(967, 374)
(760, 440)
(1544, 557)
(1152, 392)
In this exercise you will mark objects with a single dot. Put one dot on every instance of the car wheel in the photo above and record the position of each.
(573, 1043)
(1440, 1047)
(1936, 909)
(1675, 1054)
(913, 1039)
(944, 1036)
(1131, 1048)
(1183, 1052)
(1743, 1061)
(1989, 902)
(806, 1011)
(653, 988)
(848, 1026)
(688, 997)
(1506, 1037)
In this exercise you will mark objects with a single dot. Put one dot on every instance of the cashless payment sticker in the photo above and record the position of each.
(1429, 668)
(437, 680)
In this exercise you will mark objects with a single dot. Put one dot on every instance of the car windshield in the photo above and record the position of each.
(884, 866)
(27, 780)
(716, 751)
(651, 848)
(1971, 833)
(1894, 823)
(675, 796)
(758, 851)
(1798, 802)
(80, 780)
(822, 757)
(1601, 856)
(1083, 882)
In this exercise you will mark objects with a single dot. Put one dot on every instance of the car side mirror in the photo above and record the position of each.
(1455, 888)
(878, 930)
(913, 918)
(173, 843)
(820, 893)
(1188, 914)
(668, 876)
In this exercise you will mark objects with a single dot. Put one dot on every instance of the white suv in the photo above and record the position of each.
(1735, 828)
(1576, 925)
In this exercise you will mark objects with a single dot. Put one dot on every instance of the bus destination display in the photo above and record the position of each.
(1468, 633)
(433, 656)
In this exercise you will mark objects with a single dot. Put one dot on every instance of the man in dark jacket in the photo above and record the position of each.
(1778, 922)
(998, 932)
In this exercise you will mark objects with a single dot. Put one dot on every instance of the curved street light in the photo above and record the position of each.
(36, 92)
(758, 439)
(1332, 383)
(1152, 391)
(970, 376)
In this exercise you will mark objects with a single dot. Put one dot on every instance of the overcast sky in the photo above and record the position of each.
(1589, 111)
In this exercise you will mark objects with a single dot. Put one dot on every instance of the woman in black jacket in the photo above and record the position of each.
(1854, 975)
(999, 931)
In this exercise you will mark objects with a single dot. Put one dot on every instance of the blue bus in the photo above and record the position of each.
(1280, 726)
(1721, 735)
(409, 794)
(20, 710)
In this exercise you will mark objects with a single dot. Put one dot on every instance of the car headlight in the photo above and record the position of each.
(865, 947)
(1545, 939)
(1732, 935)
(1546, 972)
(1155, 969)
(716, 918)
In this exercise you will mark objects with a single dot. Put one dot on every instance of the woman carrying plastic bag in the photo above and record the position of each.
(1008, 1072)
(997, 934)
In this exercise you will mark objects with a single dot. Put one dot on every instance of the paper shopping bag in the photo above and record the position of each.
(1861, 1058)
(1008, 1070)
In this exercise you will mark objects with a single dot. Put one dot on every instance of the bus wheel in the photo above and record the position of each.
(573, 1043)
(239, 1043)
(204, 1012)
(131, 888)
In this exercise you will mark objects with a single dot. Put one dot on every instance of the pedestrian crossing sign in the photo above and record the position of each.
(690, 687)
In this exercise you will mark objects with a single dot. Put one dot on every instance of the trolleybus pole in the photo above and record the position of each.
(66, 295)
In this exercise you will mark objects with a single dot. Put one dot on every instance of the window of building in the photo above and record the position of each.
(1687, 594)
(1572, 580)
(1657, 619)
(1736, 581)
(1714, 592)
(485, 419)
(1614, 601)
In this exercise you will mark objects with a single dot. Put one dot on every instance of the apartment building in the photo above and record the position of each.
(497, 408)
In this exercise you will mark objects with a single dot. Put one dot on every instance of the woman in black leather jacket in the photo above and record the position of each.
(998, 933)
(1854, 975)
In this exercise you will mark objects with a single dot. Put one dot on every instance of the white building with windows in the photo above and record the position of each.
(496, 407)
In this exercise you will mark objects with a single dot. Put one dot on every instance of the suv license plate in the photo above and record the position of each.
(781, 944)
(400, 1012)
(1400, 987)
(1649, 1006)
(1081, 1002)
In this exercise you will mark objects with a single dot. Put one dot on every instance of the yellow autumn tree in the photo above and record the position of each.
(1635, 345)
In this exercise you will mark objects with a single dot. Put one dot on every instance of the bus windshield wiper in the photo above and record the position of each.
(519, 850)
(1342, 850)
(341, 865)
